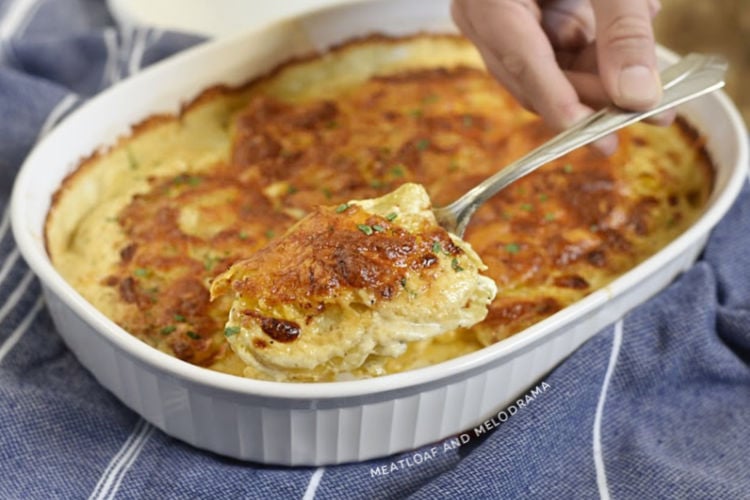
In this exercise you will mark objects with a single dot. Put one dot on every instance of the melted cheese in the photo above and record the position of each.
(348, 287)
(143, 229)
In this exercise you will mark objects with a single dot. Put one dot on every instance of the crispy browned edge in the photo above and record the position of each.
(219, 90)
(692, 135)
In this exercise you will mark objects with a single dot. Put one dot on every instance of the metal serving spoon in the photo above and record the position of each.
(692, 76)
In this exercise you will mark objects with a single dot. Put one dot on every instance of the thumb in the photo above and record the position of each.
(626, 53)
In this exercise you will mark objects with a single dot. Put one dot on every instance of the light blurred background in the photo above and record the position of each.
(721, 26)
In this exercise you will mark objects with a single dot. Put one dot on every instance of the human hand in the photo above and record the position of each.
(561, 58)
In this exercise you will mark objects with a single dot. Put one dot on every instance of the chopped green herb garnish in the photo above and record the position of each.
(512, 248)
(397, 171)
(193, 335)
(594, 228)
(141, 272)
(342, 208)
(167, 329)
(506, 216)
(179, 317)
(365, 229)
(543, 197)
(332, 124)
(468, 121)
(270, 233)
(437, 247)
(403, 282)
(376, 183)
(327, 193)
(567, 168)
(423, 144)
(378, 228)
(194, 181)
(429, 99)
(243, 235)
(231, 330)
(455, 265)
(549, 216)
(391, 216)
(209, 262)
(527, 207)
(453, 165)
(416, 113)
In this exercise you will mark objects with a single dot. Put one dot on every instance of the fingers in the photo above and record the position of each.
(569, 24)
(518, 53)
(589, 88)
(626, 52)
(654, 6)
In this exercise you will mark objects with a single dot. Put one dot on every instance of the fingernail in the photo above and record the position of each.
(639, 87)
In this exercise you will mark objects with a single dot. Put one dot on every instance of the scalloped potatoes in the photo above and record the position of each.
(349, 286)
(144, 229)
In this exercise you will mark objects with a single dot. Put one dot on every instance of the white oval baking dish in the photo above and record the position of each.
(314, 424)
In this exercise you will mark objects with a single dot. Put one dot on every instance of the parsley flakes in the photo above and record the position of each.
(167, 329)
(422, 144)
(455, 265)
(231, 330)
(365, 229)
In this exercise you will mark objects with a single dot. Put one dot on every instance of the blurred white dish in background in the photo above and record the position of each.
(211, 18)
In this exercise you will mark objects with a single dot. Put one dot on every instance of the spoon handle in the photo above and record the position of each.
(692, 76)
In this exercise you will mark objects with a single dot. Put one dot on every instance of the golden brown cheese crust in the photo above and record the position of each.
(548, 240)
(349, 287)
(334, 250)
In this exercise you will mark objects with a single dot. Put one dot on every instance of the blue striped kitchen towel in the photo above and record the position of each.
(656, 406)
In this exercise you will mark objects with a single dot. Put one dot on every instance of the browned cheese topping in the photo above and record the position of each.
(548, 239)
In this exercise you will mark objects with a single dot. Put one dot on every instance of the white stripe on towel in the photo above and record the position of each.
(140, 39)
(127, 34)
(601, 475)
(8, 264)
(15, 297)
(312, 486)
(110, 73)
(110, 480)
(4, 223)
(56, 114)
(16, 335)
(17, 17)
(133, 456)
